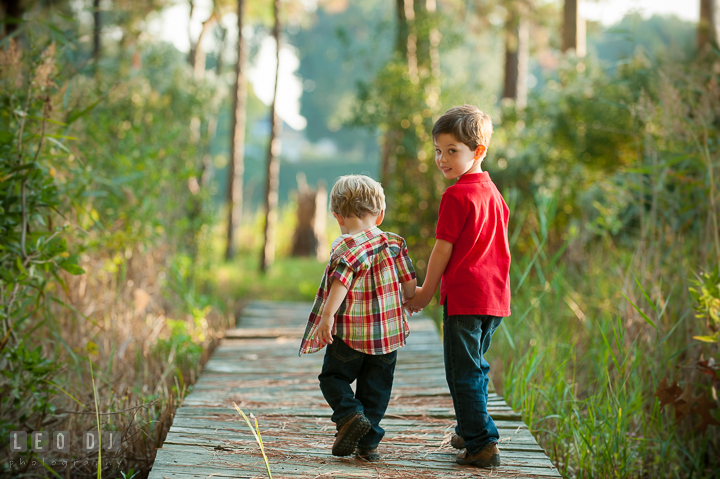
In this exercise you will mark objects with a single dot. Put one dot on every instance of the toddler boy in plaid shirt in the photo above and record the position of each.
(358, 313)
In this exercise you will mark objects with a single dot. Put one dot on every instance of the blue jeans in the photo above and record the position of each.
(466, 339)
(374, 375)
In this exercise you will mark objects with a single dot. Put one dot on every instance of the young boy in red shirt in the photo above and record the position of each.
(472, 257)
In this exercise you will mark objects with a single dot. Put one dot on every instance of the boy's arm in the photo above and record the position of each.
(409, 288)
(336, 296)
(439, 259)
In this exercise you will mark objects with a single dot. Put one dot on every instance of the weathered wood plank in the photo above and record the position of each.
(257, 367)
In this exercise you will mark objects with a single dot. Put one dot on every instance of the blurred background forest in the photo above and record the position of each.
(152, 173)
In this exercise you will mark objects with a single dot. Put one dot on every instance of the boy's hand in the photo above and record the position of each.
(324, 329)
(417, 302)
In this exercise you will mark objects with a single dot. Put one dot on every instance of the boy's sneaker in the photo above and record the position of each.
(370, 455)
(349, 434)
(488, 457)
(457, 441)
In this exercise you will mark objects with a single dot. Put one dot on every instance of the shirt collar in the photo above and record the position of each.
(474, 178)
(367, 235)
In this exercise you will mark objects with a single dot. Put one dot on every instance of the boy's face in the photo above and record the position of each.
(455, 158)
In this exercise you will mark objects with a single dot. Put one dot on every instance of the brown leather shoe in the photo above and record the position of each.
(488, 457)
(349, 434)
(457, 441)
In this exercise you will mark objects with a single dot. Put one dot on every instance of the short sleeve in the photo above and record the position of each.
(405, 269)
(451, 218)
(343, 272)
(337, 241)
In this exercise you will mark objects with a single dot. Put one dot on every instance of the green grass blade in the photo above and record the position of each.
(97, 416)
(508, 335)
(652, 305)
(66, 393)
(51, 470)
(529, 266)
(609, 348)
(644, 316)
(256, 434)
(673, 328)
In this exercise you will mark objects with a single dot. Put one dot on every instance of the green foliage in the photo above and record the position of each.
(183, 342)
(142, 150)
(706, 294)
(103, 186)
(401, 108)
(336, 52)
(629, 225)
(32, 250)
(26, 375)
(657, 36)
(290, 279)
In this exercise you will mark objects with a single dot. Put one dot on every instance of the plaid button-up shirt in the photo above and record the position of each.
(372, 265)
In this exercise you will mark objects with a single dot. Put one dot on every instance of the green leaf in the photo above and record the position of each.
(75, 115)
(20, 267)
(58, 144)
(715, 338)
(63, 137)
(646, 295)
(72, 268)
(70, 264)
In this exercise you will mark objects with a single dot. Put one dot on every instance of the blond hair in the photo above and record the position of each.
(467, 123)
(357, 195)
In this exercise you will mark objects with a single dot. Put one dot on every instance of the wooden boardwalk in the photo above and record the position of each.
(257, 367)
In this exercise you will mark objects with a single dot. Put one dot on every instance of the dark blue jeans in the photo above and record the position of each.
(374, 375)
(466, 339)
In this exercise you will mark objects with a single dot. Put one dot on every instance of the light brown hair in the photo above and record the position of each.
(357, 195)
(467, 123)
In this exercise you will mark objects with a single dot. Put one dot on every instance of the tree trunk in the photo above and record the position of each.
(273, 161)
(221, 51)
(709, 25)
(516, 58)
(191, 53)
(13, 11)
(236, 166)
(434, 45)
(309, 236)
(401, 34)
(198, 61)
(97, 28)
(573, 29)
(402, 40)
(411, 49)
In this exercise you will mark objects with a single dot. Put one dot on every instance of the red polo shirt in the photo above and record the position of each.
(474, 218)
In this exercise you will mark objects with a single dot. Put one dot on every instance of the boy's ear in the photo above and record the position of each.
(480, 151)
(380, 218)
(340, 219)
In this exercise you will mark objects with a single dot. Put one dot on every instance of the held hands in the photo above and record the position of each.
(417, 302)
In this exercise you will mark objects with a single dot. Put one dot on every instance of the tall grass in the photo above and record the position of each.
(608, 237)
(130, 348)
(583, 369)
(594, 333)
(101, 223)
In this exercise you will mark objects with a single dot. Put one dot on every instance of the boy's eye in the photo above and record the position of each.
(437, 152)
(451, 150)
